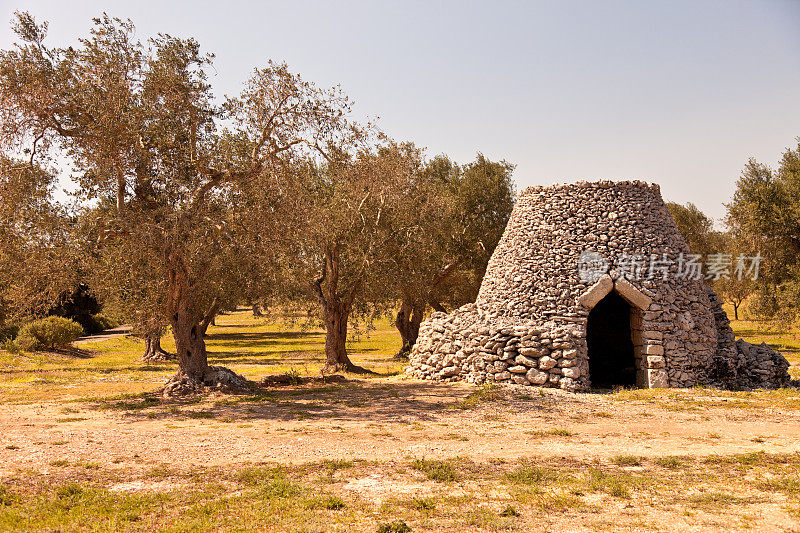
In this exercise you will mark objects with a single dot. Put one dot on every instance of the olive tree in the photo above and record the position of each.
(159, 161)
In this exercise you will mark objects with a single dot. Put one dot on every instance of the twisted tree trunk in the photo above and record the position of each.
(189, 325)
(408, 320)
(153, 350)
(336, 309)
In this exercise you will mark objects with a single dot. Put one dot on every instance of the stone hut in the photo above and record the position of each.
(593, 286)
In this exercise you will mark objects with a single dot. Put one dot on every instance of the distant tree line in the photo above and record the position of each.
(186, 206)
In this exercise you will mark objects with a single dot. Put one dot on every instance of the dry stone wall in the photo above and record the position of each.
(529, 323)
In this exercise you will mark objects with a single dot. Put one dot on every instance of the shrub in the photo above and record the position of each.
(50, 332)
(8, 331)
(105, 322)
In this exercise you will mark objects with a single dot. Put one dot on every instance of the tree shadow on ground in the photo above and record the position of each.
(353, 400)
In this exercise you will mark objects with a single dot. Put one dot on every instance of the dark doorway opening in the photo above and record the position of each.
(608, 335)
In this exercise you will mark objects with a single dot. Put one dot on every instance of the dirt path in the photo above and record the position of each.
(113, 333)
(382, 419)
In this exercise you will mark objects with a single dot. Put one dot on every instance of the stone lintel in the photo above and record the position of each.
(596, 292)
(631, 294)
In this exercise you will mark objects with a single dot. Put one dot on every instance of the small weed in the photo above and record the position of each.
(603, 414)
(487, 393)
(12, 447)
(59, 462)
(70, 419)
(509, 511)
(529, 475)
(627, 460)
(423, 504)
(333, 503)
(669, 462)
(398, 526)
(436, 470)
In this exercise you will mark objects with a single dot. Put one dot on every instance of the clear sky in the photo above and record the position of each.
(681, 93)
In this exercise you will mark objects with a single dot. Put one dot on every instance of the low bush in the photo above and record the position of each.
(50, 332)
(8, 331)
(105, 322)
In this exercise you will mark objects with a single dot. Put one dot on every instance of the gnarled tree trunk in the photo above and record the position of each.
(189, 326)
(336, 309)
(337, 313)
(153, 350)
(409, 317)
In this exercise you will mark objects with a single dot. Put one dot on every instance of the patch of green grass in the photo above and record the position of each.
(70, 419)
(333, 503)
(530, 475)
(626, 460)
(396, 526)
(671, 461)
(331, 466)
(487, 393)
(423, 504)
(559, 432)
(787, 485)
(716, 500)
(259, 475)
(439, 471)
(616, 485)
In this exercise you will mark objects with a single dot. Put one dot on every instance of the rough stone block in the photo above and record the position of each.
(632, 294)
(571, 372)
(657, 378)
(654, 349)
(655, 361)
(546, 363)
(596, 292)
(536, 377)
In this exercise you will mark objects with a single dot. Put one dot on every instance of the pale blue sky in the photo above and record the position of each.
(680, 93)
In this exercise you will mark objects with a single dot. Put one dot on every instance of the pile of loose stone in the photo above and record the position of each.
(528, 326)
(740, 364)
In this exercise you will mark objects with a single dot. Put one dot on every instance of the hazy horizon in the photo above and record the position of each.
(680, 94)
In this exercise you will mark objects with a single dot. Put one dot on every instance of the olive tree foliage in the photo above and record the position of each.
(38, 250)
(765, 214)
(454, 217)
(161, 164)
(696, 227)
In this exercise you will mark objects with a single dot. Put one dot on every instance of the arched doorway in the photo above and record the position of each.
(612, 360)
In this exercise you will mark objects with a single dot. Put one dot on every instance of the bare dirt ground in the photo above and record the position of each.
(392, 419)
